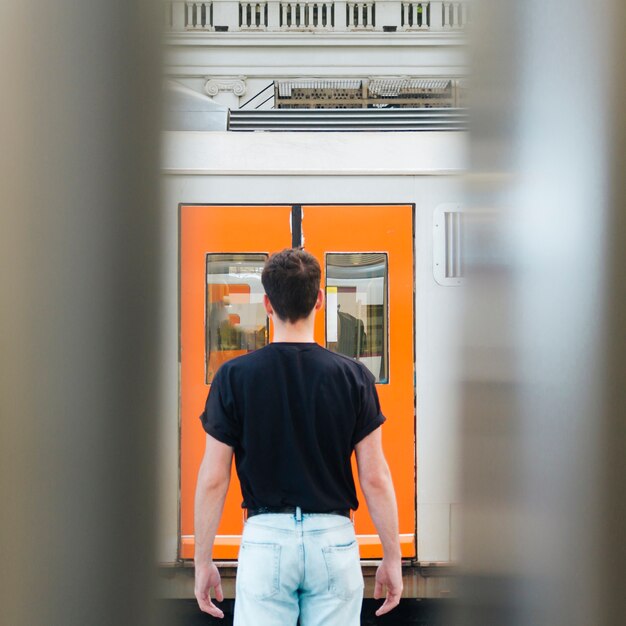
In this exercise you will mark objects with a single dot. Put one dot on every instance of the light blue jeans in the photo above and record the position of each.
(298, 565)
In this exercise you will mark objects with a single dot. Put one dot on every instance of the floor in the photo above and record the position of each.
(409, 613)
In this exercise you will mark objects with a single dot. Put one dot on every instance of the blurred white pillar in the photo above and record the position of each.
(79, 266)
(544, 440)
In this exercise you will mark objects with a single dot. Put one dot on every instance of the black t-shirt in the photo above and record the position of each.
(293, 413)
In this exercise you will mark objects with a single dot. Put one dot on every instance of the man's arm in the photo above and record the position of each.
(213, 480)
(375, 479)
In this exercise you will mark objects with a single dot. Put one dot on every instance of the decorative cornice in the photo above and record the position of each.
(251, 39)
(235, 85)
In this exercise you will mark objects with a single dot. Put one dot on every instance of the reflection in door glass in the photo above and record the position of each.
(236, 322)
(356, 309)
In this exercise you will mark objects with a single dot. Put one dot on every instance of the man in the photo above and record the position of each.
(292, 413)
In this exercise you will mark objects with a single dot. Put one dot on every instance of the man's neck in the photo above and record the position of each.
(300, 332)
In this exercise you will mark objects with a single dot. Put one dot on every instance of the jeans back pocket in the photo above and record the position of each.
(258, 569)
(344, 570)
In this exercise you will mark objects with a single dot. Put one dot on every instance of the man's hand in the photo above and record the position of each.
(375, 479)
(211, 489)
(207, 578)
(388, 574)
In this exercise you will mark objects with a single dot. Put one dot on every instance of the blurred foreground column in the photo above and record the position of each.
(544, 389)
(79, 265)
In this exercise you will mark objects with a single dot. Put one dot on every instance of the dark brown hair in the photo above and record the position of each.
(291, 279)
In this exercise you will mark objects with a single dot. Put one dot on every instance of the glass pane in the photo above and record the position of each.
(356, 309)
(236, 322)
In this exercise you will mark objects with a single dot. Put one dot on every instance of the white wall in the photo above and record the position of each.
(427, 169)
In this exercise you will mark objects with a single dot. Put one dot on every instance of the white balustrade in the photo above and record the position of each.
(311, 15)
(198, 15)
(454, 15)
(361, 15)
(253, 15)
(307, 15)
(416, 15)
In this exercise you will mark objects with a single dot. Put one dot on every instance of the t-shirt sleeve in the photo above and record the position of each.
(219, 418)
(369, 417)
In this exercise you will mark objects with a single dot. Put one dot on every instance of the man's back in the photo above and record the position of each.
(293, 413)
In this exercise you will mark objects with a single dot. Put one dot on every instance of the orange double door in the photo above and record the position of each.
(366, 254)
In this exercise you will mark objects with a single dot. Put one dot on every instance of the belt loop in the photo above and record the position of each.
(298, 514)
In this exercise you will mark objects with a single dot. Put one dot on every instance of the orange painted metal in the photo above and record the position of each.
(255, 229)
(380, 228)
(212, 229)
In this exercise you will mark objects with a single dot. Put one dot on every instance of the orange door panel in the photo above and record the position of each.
(206, 231)
(221, 251)
(387, 231)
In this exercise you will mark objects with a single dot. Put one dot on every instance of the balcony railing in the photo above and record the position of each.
(307, 15)
(253, 15)
(316, 15)
(361, 15)
(416, 15)
(198, 15)
(454, 14)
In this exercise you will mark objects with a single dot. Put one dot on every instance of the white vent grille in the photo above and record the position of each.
(453, 244)
(356, 120)
(448, 244)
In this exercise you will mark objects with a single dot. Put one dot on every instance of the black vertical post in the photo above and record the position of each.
(296, 226)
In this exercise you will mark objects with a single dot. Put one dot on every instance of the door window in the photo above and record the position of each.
(356, 309)
(236, 321)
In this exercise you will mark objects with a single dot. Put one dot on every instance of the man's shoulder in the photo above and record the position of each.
(244, 361)
(346, 362)
(325, 359)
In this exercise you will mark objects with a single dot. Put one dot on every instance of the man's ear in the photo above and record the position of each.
(319, 303)
(268, 305)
